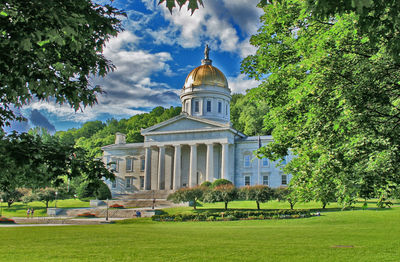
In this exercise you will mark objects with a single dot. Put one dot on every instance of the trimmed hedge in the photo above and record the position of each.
(235, 215)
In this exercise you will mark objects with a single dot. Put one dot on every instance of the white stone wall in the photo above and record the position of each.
(256, 170)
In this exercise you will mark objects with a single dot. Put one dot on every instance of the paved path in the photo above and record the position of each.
(65, 221)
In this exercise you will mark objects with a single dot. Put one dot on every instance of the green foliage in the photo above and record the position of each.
(94, 189)
(11, 196)
(206, 184)
(221, 193)
(258, 193)
(248, 113)
(193, 4)
(191, 194)
(332, 96)
(221, 181)
(52, 51)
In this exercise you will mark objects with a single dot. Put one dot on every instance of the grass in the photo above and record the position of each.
(373, 235)
(18, 209)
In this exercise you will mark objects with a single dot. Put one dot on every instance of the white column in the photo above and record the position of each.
(225, 161)
(193, 165)
(147, 169)
(161, 168)
(177, 167)
(210, 163)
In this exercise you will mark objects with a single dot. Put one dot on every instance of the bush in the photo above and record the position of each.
(4, 220)
(117, 206)
(87, 214)
(95, 189)
(220, 182)
(206, 184)
(235, 215)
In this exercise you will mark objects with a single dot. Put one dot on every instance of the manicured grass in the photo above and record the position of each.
(373, 235)
(18, 209)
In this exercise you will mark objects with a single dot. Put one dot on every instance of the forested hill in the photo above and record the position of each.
(247, 116)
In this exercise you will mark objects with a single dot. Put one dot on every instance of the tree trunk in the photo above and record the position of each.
(194, 204)
(9, 203)
(323, 205)
(258, 205)
(226, 205)
(291, 205)
(47, 204)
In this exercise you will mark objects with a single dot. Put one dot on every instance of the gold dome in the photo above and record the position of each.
(206, 74)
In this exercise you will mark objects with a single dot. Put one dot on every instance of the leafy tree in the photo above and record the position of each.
(11, 196)
(97, 189)
(286, 194)
(32, 162)
(332, 96)
(50, 194)
(193, 4)
(49, 49)
(258, 193)
(222, 193)
(206, 184)
(190, 194)
(220, 182)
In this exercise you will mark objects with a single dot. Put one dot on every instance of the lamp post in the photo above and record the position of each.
(55, 203)
(107, 211)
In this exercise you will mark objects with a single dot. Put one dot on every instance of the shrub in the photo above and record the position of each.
(116, 206)
(87, 214)
(220, 182)
(94, 189)
(4, 220)
(206, 184)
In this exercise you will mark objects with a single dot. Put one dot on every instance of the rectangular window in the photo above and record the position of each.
(284, 180)
(265, 180)
(265, 162)
(128, 182)
(196, 106)
(247, 161)
(226, 109)
(114, 164)
(142, 182)
(247, 180)
(114, 184)
(129, 164)
(142, 164)
(219, 107)
(208, 106)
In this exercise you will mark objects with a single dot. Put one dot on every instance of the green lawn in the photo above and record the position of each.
(18, 209)
(373, 234)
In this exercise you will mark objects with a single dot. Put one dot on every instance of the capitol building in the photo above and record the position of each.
(198, 145)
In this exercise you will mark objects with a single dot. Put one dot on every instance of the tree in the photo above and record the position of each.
(11, 196)
(193, 4)
(49, 49)
(33, 162)
(286, 194)
(222, 193)
(259, 193)
(95, 188)
(332, 96)
(46, 195)
(190, 194)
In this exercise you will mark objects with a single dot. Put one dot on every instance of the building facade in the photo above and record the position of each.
(198, 145)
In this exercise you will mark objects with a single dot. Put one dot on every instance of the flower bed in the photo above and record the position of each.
(87, 215)
(236, 215)
(116, 206)
(4, 220)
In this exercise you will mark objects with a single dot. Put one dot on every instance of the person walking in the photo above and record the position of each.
(32, 212)
(28, 212)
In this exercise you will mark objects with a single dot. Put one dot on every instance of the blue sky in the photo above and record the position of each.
(154, 55)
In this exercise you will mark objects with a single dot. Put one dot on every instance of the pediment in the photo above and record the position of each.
(182, 122)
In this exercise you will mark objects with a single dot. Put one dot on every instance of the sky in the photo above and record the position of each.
(153, 56)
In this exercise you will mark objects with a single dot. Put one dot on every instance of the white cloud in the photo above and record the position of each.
(241, 83)
(130, 86)
(224, 25)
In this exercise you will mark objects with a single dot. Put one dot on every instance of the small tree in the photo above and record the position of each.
(223, 193)
(192, 194)
(46, 195)
(259, 193)
(206, 184)
(286, 194)
(220, 182)
(11, 196)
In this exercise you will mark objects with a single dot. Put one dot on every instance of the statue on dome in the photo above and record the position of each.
(206, 52)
